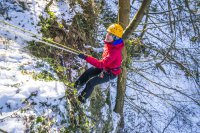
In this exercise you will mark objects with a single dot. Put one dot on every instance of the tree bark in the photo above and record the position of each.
(123, 19)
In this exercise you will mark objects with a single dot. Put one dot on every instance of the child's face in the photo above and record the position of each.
(109, 37)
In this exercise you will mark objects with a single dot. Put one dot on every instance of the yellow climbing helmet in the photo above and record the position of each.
(116, 30)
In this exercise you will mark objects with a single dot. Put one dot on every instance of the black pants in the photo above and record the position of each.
(93, 76)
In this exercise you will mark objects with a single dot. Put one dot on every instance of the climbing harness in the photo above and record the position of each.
(37, 38)
(113, 69)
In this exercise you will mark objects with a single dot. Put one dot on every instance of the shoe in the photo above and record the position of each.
(81, 99)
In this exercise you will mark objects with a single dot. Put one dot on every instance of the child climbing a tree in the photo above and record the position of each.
(106, 68)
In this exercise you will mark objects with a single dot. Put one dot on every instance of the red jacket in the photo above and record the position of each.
(111, 58)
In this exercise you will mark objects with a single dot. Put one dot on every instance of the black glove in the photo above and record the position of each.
(82, 56)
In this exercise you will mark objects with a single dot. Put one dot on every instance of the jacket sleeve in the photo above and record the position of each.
(101, 63)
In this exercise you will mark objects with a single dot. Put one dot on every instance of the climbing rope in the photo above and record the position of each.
(38, 38)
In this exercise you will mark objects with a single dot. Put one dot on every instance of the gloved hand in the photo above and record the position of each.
(82, 56)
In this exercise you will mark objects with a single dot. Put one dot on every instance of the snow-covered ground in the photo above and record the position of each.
(17, 68)
(19, 90)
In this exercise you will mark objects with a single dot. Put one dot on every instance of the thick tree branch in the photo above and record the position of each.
(137, 19)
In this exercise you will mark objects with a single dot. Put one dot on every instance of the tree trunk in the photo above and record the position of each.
(123, 18)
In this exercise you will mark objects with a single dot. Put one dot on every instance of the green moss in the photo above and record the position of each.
(60, 25)
(194, 39)
(52, 14)
(47, 23)
(39, 119)
(39, 65)
(44, 75)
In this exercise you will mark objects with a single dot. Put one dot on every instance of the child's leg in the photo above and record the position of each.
(91, 72)
(95, 81)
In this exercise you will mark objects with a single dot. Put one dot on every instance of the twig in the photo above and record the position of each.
(2, 118)
(163, 11)
(1, 130)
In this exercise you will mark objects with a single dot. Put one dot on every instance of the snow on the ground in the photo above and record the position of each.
(17, 68)
(16, 86)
